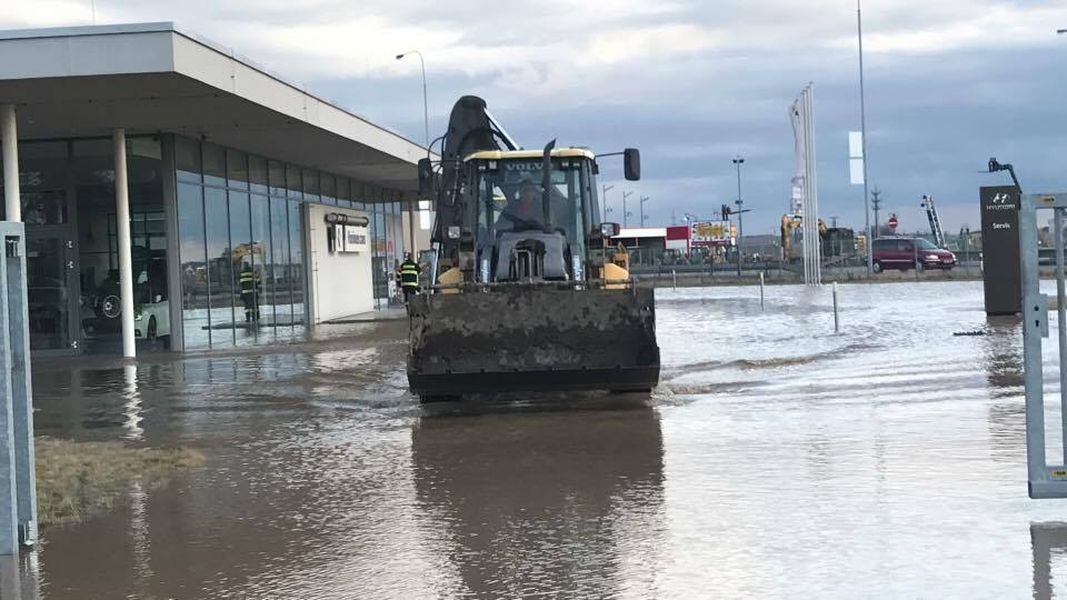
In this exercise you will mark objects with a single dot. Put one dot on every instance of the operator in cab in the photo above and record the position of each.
(524, 210)
(409, 277)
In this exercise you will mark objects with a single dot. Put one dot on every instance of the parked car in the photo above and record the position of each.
(152, 320)
(909, 253)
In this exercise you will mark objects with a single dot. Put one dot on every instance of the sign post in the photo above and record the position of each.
(893, 222)
(1000, 249)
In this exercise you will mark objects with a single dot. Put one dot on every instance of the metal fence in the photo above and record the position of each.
(18, 496)
(1046, 480)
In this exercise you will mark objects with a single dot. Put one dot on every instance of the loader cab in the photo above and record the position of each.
(512, 220)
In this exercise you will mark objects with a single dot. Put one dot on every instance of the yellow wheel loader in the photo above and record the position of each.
(527, 292)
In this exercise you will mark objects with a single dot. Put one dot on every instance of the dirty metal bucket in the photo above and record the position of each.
(533, 338)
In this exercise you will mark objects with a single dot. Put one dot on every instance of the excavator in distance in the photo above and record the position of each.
(526, 292)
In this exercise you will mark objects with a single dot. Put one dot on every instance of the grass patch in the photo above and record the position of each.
(78, 479)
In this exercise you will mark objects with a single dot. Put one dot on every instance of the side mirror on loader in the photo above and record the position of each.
(425, 178)
(632, 164)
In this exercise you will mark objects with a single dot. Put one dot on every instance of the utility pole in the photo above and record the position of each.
(643, 200)
(876, 202)
(738, 161)
(625, 213)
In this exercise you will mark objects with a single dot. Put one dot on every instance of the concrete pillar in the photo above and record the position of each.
(10, 139)
(411, 229)
(122, 212)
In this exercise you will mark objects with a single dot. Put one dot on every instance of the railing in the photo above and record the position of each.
(18, 496)
(1045, 480)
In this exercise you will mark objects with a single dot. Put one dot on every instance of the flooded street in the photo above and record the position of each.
(775, 459)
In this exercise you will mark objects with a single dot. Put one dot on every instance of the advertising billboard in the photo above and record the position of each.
(710, 233)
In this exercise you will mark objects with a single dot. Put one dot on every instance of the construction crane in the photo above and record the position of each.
(935, 221)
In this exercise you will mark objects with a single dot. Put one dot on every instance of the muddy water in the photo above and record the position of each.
(776, 459)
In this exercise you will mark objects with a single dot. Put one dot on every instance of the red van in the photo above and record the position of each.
(907, 253)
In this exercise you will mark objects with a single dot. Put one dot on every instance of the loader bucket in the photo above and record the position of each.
(532, 338)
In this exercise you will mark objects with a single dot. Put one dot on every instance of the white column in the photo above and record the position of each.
(412, 213)
(122, 210)
(10, 139)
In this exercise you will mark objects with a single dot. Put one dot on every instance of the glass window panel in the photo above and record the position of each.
(214, 164)
(241, 257)
(296, 264)
(281, 268)
(187, 159)
(328, 186)
(236, 169)
(257, 174)
(293, 182)
(276, 177)
(344, 192)
(261, 265)
(220, 270)
(311, 185)
(196, 324)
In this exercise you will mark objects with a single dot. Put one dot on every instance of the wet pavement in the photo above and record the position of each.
(776, 459)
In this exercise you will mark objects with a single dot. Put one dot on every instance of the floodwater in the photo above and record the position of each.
(776, 459)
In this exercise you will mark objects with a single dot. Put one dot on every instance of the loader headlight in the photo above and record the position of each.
(453, 232)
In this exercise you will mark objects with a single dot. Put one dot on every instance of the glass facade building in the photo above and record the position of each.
(205, 220)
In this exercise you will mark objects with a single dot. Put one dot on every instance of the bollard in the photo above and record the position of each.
(18, 496)
(837, 322)
(761, 290)
(674, 278)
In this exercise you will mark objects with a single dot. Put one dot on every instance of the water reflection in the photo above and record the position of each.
(1047, 540)
(20, 577)
(131, 408)
(565, 504)
(1002, 353)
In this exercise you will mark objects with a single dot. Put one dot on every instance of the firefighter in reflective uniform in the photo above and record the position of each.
(409, 277)
(249, 281)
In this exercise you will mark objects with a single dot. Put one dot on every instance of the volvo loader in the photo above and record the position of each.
(526, 290)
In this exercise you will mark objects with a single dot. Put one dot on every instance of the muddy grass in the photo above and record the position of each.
(78, 479)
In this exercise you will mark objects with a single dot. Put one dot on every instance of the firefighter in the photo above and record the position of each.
(249, 293)
(409, 277)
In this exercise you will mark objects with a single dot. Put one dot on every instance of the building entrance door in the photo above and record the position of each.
(52, 287)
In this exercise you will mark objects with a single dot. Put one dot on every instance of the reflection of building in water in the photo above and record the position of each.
(1003, 355)
(566, 504)
(1045, 540)
(1003, 361)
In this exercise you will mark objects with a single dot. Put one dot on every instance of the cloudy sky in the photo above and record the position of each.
(691, 83)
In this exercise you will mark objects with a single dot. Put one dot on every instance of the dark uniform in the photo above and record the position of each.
(249, 294)
(409, 278)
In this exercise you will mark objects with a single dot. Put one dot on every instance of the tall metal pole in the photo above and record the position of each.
(643, 200)
(738, 161)
(604, 199)
(425, 103)
(426, 133)
(863, 142)
(625, 214)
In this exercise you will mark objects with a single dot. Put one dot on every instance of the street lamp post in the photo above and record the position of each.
(625, 213)
(738, 161)
(426, 133)
(863, 148)
(643, 200)
(425, 104)
(604, 198)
